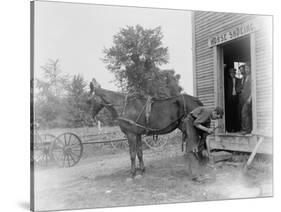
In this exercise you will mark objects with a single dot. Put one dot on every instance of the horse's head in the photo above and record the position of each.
(100, 98)
(96, 104)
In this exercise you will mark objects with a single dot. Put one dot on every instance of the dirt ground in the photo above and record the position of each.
(101, 180)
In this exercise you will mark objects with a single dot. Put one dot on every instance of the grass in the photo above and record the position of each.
(109, 133)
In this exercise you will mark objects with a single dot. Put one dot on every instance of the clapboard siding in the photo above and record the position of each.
(221, 26)
(264, 81)
(207, 24)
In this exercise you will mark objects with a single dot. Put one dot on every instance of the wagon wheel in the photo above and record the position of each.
(42, 149)
(157, 144)
(120, 145)
(67, 149)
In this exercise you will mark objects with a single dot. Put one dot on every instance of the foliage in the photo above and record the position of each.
(50, 110)
(54, 81)
(135, 58)
(77, 107)
(60, 100)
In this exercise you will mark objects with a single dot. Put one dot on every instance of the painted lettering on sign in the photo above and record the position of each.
(234, 33)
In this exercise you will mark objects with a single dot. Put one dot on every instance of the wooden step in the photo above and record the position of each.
(236, 142)
(220, 156)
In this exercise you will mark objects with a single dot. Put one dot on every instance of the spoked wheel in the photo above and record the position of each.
(42, 149)
(155, 144)
(67, 149)
(120, 145)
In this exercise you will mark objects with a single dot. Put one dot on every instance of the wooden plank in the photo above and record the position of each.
(206, 95)
(202, 15)
(208, 71)
(239, 143)
(206, 82)
(212, 29)
(207, 75)
(205, 90)
(193, 53)
(204, 66)
(253, 84)
(220, 156)
(104, 141)
(254, 152)
(203, 58)
(263, 81)
(221, 23)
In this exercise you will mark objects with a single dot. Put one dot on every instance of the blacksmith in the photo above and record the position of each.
(196, 128)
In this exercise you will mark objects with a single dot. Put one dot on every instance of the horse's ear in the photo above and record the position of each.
(91, 88)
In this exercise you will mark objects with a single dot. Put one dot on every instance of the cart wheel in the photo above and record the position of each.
(120, 145)
(67, 149)
(157, 144)
(42, 149)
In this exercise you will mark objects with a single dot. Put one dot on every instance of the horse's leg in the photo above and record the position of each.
(132, 139)
(139, 153)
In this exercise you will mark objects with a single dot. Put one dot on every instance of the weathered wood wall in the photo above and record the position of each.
(264, 77)
(207, 24)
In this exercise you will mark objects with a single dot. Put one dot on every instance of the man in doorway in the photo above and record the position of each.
(232, 109)
(196, 127)
(245, 100)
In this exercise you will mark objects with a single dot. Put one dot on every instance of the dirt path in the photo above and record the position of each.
(101, 181)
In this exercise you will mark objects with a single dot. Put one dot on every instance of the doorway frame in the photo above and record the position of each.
(219, 81)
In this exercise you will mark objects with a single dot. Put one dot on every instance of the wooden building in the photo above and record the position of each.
(223, 40)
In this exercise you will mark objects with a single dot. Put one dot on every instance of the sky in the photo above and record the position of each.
(76, 34)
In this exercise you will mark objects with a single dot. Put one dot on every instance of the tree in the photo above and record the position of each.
(53, 83)
(77, 108)
(165, 84)
(135, 58)
(50, 107)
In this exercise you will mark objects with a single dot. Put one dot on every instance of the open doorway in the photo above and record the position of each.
(236, 54)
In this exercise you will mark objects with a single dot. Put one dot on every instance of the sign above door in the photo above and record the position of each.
(233, 33)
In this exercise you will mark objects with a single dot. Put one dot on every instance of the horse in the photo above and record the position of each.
(137, 115)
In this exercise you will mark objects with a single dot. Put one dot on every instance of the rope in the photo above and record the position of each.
(125, 104)
(143, 108)
(136, 124)
(144, 127)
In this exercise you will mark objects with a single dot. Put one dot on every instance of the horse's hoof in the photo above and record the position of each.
(129, 179)
(138, 176)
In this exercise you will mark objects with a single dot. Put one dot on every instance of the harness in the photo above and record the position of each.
(147, 110)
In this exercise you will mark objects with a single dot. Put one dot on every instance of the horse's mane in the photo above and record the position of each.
(110, 92)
